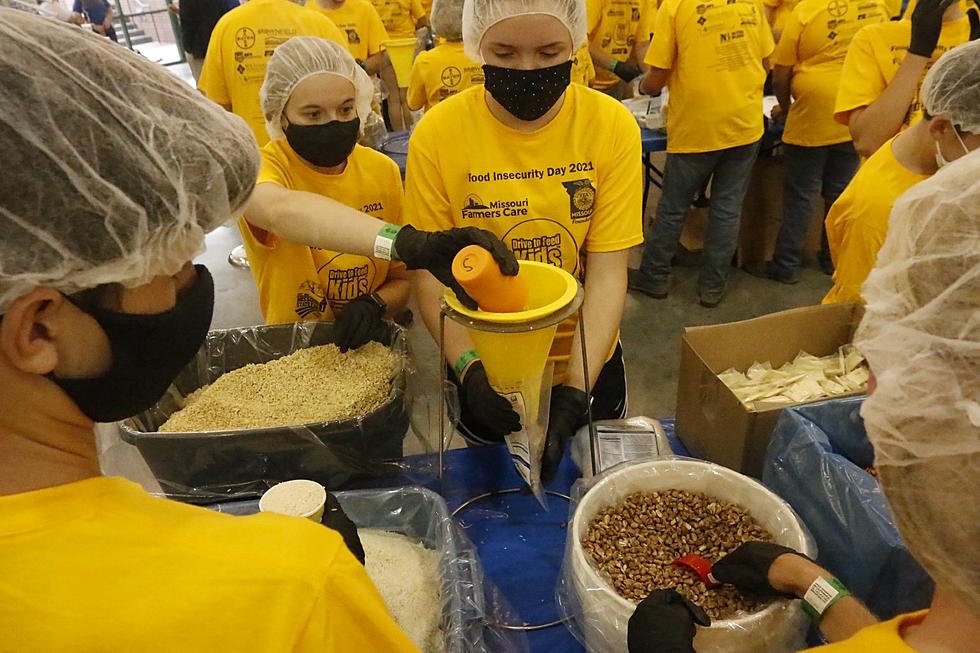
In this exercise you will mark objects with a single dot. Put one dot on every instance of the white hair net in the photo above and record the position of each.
(951, 88)
(302, 57)
(481, 15)
(447, 19)
(113, 168)
(921, 336)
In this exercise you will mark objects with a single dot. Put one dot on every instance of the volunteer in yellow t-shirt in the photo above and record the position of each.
(713, 56)
(553, 168)
(361, 24)
(644, 30)
(242, 43)
(879, 87)
(91, 563)
(858, 221)
(314, 97)
(583, 70)
(778, 13)
(819, 155)
(445, 70)
(401, 18)
(612, 28)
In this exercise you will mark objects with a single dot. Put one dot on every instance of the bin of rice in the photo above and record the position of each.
(264, 404)
(632, 521)
(427, 572)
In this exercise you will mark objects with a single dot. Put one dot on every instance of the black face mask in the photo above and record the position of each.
(324, 145)
(148, 351)
(527, 94)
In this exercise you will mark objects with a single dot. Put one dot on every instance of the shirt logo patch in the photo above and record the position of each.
(245, 38)
(451, 76)
(581, 198)
(352, 36)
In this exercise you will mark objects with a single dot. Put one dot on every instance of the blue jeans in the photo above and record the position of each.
(685, 175)
(810, 171)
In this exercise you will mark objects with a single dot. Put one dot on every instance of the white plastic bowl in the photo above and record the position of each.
(604, 615)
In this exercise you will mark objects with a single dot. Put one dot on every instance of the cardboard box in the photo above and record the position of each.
(711, 420)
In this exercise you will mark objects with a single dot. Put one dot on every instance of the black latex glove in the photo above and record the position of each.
(435, 250)
(335, 518)
(627, 71)
(493, 414)
(747, 568)
(927, 23)
(569, 412)
(664, 623)
(360, 320)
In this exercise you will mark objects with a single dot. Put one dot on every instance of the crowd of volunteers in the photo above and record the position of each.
(520, 144)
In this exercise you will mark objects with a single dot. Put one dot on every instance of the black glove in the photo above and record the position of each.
(358, 323)
(747, 568)
(927, 23)
(569, 411)
(335, 518)
(435, 251)
(626, 71)
(664, 623)
(493, 414)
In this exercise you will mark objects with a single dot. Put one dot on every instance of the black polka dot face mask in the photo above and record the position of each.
(527, 94)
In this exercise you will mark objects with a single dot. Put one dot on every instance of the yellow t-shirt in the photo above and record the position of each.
(100, 565)
(874, 57)
(857, 223)
(783, 9)
(299, 282)
(400, 16)
(583, 70)
(885, 637)
(572, 187)
(612, 28)
(360, 23)
(723, 41)
(441, 72)
(814, 42)
(648, 18)
(240, 48)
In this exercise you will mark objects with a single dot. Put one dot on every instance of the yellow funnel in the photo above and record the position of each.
(402, 54)
(514, 346)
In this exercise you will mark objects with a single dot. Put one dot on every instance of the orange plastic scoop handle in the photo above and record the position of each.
(699, 566)
(480, 276)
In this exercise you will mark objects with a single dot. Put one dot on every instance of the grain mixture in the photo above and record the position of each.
(318, 384)
(634, 543)
(407, 576)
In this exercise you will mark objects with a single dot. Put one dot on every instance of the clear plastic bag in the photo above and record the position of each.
(599, 617)
(222, 465)
(469, 606)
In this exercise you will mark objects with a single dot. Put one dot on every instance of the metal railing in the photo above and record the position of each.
(143, 10)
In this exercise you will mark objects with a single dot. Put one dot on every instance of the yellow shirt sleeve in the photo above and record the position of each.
(766, 42)
(663, 47)
(375, 29)
(853, 260)
(861, 82)
(786, 53)
(417, 11)
(593, 14)
(212, 82)
(417, 94)
(617, 223)
(427, 204)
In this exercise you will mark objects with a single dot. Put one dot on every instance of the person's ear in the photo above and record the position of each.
(27, 331)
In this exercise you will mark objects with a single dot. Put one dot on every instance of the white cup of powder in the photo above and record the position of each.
(299, 498)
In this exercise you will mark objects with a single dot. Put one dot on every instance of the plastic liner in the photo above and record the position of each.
(221, 465)
(618, 441)
(467, 613)
(600, 617)
(816, 461)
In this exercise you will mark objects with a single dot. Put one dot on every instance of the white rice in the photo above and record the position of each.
(407, 576)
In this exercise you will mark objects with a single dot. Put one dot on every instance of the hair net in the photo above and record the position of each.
(921, 336)
(951, 88)
(113, 168)
(447, 19)
(301, 57)
(481, 15)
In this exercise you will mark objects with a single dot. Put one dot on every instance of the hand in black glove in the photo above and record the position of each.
(927, 23)
(335, 518)
(569, 411)
(493, 414)
(627, 71)
(664, 623)
(358, 323)
(435, 251)
(747, 568)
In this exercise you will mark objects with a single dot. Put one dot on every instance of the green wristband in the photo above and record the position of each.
(464, 361)
(384, 243)
(822, 594)
(612, 66)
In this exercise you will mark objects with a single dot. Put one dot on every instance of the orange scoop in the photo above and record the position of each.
(480, 276)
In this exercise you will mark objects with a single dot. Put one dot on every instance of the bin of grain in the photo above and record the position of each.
(264, 404)
(678, 506)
